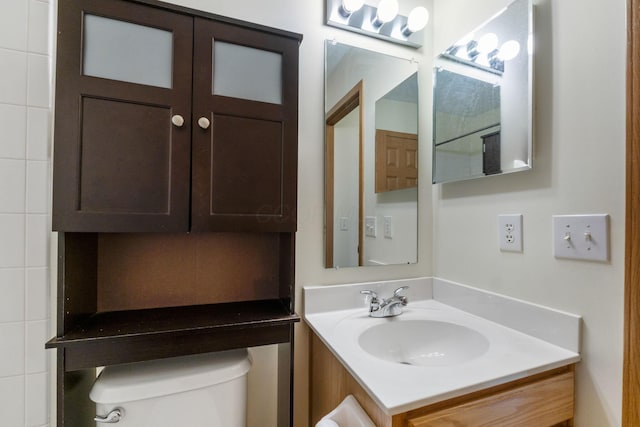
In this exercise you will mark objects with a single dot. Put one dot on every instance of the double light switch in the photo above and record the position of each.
(581, 237)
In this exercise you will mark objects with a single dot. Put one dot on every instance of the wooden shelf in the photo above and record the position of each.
(109, 338)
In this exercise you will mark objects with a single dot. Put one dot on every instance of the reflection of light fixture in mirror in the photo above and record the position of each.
(381, 22)
(494, 60)
(509, 50)
(484, 51)
(347, 7)
(387, 11)
(416, 21)
(487, 43)
(471, 50)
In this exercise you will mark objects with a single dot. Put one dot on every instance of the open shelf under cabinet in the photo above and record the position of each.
(109, 338)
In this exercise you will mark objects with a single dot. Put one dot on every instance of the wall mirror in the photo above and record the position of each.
(371, 169)
(482, 120)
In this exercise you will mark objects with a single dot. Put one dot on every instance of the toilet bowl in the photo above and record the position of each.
(204, 390)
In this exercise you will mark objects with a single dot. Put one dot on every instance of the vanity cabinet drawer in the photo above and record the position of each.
(543, 403)
(540, 400)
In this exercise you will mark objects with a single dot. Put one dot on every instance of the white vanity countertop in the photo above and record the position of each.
(397, 387)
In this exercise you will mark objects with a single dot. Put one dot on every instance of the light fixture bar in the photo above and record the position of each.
(363, 21)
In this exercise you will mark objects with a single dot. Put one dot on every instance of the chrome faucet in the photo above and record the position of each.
(386, 307)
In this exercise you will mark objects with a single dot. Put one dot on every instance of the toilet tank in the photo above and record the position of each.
(204, 390)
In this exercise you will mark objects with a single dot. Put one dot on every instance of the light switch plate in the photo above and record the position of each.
(583, 237)
(370, 226)
(388, 227)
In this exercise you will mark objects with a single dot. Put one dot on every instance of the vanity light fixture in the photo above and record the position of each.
(380, 21)
(386, 12)
(416, 21)
(484, 52)
(347, 7)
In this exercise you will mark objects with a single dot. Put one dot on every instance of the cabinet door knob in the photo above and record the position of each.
(204, 123)
(177, 120)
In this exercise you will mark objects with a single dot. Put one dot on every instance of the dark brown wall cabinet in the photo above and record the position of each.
(170, 120)
(193, 126)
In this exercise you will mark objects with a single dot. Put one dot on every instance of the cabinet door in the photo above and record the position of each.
(122, 158)
(244, 152)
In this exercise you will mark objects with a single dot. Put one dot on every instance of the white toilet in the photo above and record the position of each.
(205, 390)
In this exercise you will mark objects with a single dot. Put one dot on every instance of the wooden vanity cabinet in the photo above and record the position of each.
(541, 400)
(178, 141)
(151, 147)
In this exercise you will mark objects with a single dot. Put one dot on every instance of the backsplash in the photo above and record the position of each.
(24, 212)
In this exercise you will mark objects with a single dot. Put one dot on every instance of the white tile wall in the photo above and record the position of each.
(12, 393)
(13, 20)
(13, 69)
(24, 212)
(13, 122)
(38, 81)
(38, 35)
(12, 295)
(12, 185)
(37, 402)
(38, 133)
(37, 294)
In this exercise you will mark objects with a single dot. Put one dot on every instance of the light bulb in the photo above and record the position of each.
(487, 43)
(509, 50)
(418, 19)
(387, 11)
(350, 6)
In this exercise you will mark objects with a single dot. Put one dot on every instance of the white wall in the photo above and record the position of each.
(24, 212)
(579, 156)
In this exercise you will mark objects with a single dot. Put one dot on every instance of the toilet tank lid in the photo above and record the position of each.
(146, 380)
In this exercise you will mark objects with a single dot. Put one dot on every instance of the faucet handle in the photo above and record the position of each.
(403, 299)
(401, 289)
(373, 295)
(372, 299)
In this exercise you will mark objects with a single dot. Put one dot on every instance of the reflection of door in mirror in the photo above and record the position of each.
(343, 206)
(397, 137)
(396, 160)
(491, 153)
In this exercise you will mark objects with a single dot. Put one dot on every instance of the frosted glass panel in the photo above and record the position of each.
(247, 73)
(128, 52)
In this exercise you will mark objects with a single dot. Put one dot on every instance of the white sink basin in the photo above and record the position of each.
(423, 342)
(435, 351)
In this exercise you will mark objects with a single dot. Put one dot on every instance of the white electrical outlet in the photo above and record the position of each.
(581, 237)
(510, 232)
(388, 227)
(344, 223)
(370, 226)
